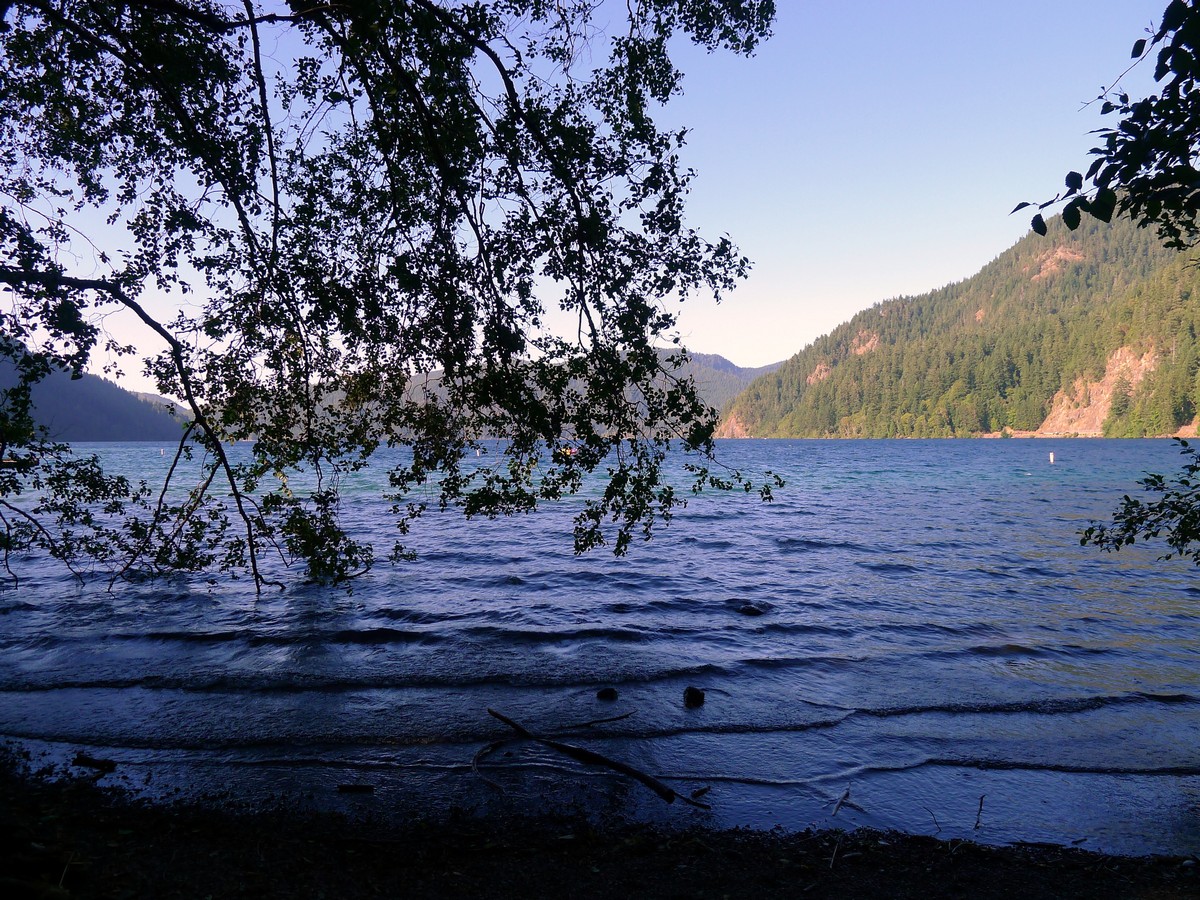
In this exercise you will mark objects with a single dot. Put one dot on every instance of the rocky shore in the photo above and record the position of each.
(68, 838)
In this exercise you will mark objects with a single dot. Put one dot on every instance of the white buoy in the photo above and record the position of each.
(1051, 457)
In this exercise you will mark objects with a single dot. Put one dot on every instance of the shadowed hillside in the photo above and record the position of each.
(92, 409)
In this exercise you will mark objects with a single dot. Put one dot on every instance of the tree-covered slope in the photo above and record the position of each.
(1098, 319)
(718, 380)
(93, 409)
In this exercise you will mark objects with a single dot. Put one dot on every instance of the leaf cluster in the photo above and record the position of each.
(1172, 516)
(1145, 166)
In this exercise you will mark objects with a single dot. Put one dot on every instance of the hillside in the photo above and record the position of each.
(93, 409)
(1087, 332)
(718, 380)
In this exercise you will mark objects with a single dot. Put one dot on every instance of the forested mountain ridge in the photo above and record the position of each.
(718, 380)
(1091, 331)
(91, 408)
(94, 409)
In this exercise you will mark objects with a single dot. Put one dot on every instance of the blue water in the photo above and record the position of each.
(931, 638)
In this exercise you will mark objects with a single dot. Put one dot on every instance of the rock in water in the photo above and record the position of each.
(693, 697)
(608, 693)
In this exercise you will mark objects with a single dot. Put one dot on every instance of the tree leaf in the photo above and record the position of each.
(368, 280)
(1074, 181)
(1020, 206)
(1038, 224)
(1173, 17)
(1139, 47)
(1104, 204)
(1070, 215)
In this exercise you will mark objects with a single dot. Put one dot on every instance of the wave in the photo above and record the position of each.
(525, 636)
(889, 568)
(799, 544)
(380, 635)
(1015, 765)
(299, 683)
(1047, 706)
(15, 606)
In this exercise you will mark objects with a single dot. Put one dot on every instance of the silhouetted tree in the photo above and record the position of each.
(374, 217)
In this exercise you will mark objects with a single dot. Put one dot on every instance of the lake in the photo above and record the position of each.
(909, 637)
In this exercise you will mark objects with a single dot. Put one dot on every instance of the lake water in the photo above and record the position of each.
(932, 639)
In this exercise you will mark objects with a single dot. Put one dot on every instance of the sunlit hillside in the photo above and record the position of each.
(1088, 332)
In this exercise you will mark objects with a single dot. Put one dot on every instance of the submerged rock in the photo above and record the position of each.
(606, 693)
(693, 697)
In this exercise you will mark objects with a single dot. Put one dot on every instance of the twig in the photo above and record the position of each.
(600, 721)
(63, 877)
(836, 848)
(842, 799)
(487, 750)
(979, 815)
(590, 757)
(936, 823)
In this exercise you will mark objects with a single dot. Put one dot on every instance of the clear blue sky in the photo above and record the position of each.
(875, 149)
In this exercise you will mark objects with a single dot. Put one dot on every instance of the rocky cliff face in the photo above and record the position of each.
(1082, 411)
(732, 427)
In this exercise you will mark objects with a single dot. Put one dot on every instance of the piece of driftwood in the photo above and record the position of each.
(605, 721)
(842, 799)
(590, 757)
(488, 749)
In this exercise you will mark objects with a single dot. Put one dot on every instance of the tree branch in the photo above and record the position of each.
(53, 280)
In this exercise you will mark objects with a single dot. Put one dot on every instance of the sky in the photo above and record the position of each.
(875, 149)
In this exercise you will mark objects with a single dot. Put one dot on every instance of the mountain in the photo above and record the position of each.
(718, 380)
(93, 409)
(1088, 332)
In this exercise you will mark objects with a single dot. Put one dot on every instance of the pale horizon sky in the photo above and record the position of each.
(875, 150)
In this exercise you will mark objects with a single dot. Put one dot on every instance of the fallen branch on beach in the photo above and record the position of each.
(583, 755)
(489, 749)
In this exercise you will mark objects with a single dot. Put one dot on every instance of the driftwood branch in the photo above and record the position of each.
(487, 750)
(590, 757)
(605, 721)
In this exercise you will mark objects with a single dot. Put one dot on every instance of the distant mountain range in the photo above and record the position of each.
(718, 380)
(94, 409)
(1091, 332)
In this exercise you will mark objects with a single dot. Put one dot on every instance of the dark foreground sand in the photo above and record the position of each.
(67, 838)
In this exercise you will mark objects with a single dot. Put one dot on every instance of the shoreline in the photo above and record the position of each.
(67, 838)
